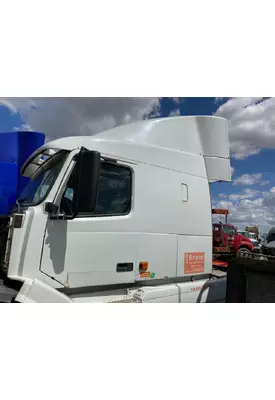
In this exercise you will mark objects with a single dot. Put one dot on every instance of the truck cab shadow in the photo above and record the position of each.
(56, 239)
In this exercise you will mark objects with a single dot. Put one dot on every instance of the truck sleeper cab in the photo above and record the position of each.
(106, 216)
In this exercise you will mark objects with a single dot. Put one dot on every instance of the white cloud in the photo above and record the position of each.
(174, 113)
(246, 194)
(9, 104)
(251, 124)
(269, 198)
(58, 117)
(250, 179)
(176, 100)
(232, 171)
(249, 212)
(250, 207)
(264, 183)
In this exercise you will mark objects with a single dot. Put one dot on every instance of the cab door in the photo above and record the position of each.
(98, 248)
(230, 235)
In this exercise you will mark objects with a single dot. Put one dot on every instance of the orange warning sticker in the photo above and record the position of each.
(145, 274)
(194, 263)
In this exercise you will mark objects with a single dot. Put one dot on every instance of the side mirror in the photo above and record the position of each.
(51, 209)
(86, 186)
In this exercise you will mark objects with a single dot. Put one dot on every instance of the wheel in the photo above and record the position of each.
(243, 252)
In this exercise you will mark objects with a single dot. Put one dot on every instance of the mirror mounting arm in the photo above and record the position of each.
(85, 186)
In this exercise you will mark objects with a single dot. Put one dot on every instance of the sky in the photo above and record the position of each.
(250, 197)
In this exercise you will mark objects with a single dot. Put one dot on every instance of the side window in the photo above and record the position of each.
(114, 194)
(229, 230)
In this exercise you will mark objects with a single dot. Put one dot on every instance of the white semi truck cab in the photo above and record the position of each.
(121, 216)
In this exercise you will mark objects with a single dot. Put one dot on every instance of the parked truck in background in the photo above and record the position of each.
(236, 242)
(227, 241)
(253, 238)
(124, 215)
(254, 230)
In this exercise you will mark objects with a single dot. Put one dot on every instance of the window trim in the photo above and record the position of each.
(119, 164)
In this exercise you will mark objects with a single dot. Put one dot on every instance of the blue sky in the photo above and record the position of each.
(8, 121)
(251, 195)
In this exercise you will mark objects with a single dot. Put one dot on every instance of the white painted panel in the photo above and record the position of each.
(161, 253)
(80, 258)
(166, 299)
(83, 258)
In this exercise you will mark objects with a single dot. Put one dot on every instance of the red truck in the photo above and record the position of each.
(226, 239)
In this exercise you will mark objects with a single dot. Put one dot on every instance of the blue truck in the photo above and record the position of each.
(15, 148)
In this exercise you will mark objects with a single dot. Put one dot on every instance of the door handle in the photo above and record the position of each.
(125, 267)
